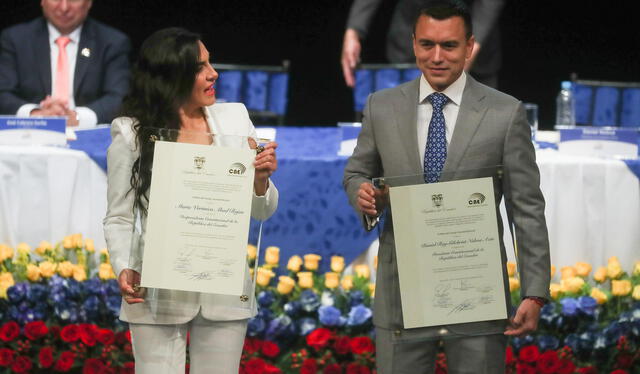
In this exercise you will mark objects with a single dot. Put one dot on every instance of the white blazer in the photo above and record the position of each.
(167, 306)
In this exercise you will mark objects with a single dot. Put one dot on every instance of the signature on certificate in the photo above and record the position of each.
(468, 304)
(203, 275)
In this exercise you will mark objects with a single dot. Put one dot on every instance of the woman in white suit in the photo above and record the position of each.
(173, 88)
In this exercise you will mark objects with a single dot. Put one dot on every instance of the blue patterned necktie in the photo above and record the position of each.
(436, 151)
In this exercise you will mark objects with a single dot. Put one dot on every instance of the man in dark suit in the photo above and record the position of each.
(485, 58)
(446, 123)
(64, 64)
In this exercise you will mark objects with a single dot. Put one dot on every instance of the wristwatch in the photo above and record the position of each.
(538, 300)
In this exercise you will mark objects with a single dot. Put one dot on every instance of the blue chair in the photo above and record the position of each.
(605, 103)
(263, 89)
(374, 77)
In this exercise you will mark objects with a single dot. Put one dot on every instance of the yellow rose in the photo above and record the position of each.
(347, 282)
(582, 269)
(264, 276)
(554, 290)
(553, 271)
(23, 249)
(294, 264)
(65, 269)
(337, 264)
(331, 280)
(511, 268)
(567, 272)
(79, 274)
(514, 284)
(33, 272)
(372, 289)
(105, 271)
(6, 280)
(5, 252)
(285, 285)
(67, 242)
(77, 240)
(636, 292)
(311, 261)
(636, 268)
(614, 270)
(600, 296)
(88, 245)
(43, 247)
(362, 271)
(305, 279)
(572, 285)
(620, 287)
(252, 251)
(47, 269)
(600, 275)
(272, 256)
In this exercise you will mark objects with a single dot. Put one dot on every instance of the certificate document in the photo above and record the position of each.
(198, 218)
(448, 251)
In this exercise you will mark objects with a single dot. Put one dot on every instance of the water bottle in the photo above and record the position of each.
(565, 106)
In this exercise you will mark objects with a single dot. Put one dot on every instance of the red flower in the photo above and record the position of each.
(529, 353)
(22, 364)
(88, 334)
(566, 366)
(252, 345)
(342, 345)
(587, 370)
(548, 362)
(309, 366)
(128, 368)
(46, 357)
(123, 337)
(70, 333)
(270, 369)
(65, 362)
(523, 368)
(9, 331)
(509, 358)
(105, 336)
(619, 371)
(332, 369)
(254, 366)
(624, 360)
(6, 356)
(270, 349)
(361, 344)
(92, 366)
(35, 330)
(354, 368)
(319, 338)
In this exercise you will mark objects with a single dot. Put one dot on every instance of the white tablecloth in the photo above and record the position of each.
(47, 193)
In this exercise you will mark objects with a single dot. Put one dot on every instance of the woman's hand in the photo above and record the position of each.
(129, 281)
(265, 164)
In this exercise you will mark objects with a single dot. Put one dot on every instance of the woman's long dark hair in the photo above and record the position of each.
(162, 80)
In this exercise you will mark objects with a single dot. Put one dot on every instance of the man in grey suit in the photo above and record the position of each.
(476, 127)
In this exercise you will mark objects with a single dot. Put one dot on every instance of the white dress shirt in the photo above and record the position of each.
(86, 116)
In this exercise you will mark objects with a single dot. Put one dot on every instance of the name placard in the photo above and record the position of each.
(33, 130)
(599, 142)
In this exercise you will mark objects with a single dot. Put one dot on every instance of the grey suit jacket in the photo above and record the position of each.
(491, 130)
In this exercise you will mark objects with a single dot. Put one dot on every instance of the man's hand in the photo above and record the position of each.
(129, 281)
(525, 320)
(350, 55)
(372, 201)
(56, 107)
(265, 164)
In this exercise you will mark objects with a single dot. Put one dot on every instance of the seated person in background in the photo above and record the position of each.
(64, 64)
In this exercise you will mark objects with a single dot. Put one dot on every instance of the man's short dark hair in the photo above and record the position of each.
(445, 9)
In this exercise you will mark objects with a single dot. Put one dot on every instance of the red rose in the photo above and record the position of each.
(35, 330)
(70, 333)
(354, 368)
(361, 344)
(548, 362)
(523, 368)
(624, 360)
(587, 370)
(619, 371)
(65, 362)
(106, 336)
(332, 369)
(88, 334)
(128, 368)
(92, 366)
(529, 353)
(108, 370)
(9, 331)
(309, 366)
(270, 349)
(254, 366)
(319, 338)
(342, 345)
(123, 338)
(566, 366)
(6, 356)
(22, 364)
(509, 358)
(46, 357)
(270, 369)
(252, 345)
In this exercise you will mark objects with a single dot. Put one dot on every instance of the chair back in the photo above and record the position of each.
(606, 103)
(374, 77)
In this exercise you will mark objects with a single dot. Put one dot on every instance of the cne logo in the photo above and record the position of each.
(476, 198)
(237, 169)
(198, 162)
(437, 200)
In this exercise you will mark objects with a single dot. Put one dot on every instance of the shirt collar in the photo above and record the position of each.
(55, 34)
(453, 92)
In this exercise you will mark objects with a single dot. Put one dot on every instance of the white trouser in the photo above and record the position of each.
(214, 346)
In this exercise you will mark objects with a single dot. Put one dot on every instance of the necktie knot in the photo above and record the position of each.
(438, 100)
(63, 41)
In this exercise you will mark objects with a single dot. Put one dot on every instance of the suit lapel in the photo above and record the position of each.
(406, 119)
(473, 107)
(87, 43)
(42, 53)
